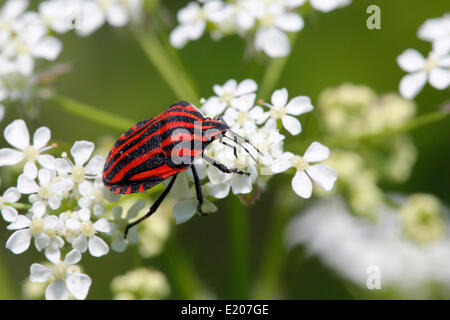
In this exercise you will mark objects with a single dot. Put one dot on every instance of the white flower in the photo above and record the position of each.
(193, 19)
(58, 14)
(434, 69)
(350, 245)
(17, 135)
(281, 109)
(9, 13)
(30, 41)
(274, 22)
(321, 174)
(81, 223)
(328, 5)
(81, 152)
(225, 94)
(46, 192)
(65, 277)
(92, 196)
(38, 226)
(187, 206)
(243, 113)
(436, 30)
(11, 195)
(119, 243)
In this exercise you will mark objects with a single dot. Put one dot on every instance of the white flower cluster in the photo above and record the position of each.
(352, 245)
(434, 69)
(26, 36)
(66, 208)
(268, 21)
(236, 103)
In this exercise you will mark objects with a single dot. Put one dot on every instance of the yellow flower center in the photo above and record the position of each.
(277, 113)
(105, 4)
(430, 64)
(45, 192)
(226, 97)
(299, 163)
(268, 20)
(242, 117)
(60, 270)
(37, 226)
(78, 174)
(201, 15)
(87, 229)
(30, 153)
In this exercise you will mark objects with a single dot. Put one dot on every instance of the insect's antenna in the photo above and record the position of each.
(246, 141)
(246, 150)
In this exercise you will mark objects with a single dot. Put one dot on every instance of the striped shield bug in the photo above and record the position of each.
(161, 147)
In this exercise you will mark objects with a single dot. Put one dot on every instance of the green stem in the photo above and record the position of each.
(170, 68)
(92, 113)
(240, 249)
(267, 280)
(19, 206)
(410, 125)
(273, 72)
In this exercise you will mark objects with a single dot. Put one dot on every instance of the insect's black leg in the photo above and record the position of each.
(231, 146)
(198, 190)
(223, 168)
(153, 208)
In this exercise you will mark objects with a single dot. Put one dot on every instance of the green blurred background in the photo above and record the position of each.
(111, 72)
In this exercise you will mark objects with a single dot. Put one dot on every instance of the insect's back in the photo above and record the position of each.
(143, 156)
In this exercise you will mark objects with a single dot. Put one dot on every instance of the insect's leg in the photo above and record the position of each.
(223, 168)
(231, 146)
(198, 190)
(153, 208)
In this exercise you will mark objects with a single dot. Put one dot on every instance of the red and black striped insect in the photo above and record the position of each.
(161, 147)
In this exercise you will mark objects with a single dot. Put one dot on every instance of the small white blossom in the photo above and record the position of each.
(328, 5)
(11, 195)
(66, 278)
(281, 109)
(434, 69)
(119, 243)
(17, 135)
(225, 94)
(321, 174)
(78, 171)
(436, 30)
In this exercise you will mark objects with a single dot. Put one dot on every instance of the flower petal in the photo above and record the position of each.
(316, 152)
(135, 208)
(98, 247)
(80, 243)
(274, 42)
(11, 195)
(102, 225)
(82, 151)
(73, 257)
(184, 210)
(323, 175)
(30, 170)
(10, 157)
(19, 241)
(20, 222)
(57, 290)
(117, 16)
(41, 137)
(290, 21)
(53, 254)
(291, 124)
(241, 184)
(95, 165)
(302, 185)
(411, 60)
(245, 87)
(9, 214)
(411, 84)
(39, 273)
(25, 185)
(47, 161)
(279, 98)
(78, 285)
(41, 241)
(299, 105)
(439, 78)
(17, 135)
